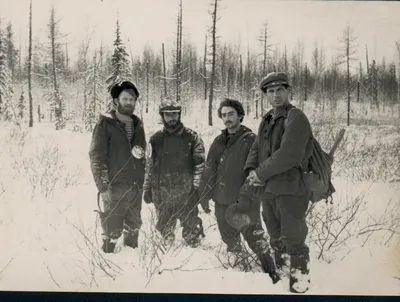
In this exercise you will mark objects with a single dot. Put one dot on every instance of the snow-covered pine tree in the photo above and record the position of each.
(120, 62)
(96, 102)
(6, 88)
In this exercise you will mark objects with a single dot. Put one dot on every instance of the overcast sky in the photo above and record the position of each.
(153, 21)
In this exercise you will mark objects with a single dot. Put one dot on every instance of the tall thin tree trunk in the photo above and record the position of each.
(348, 82)
(205, 68)
(164, 72)
(30, 69)
(147, 86)
(305, 85)
(94, 85)
(66, 58)
(214, 53)
(20, 56)
(241, 84)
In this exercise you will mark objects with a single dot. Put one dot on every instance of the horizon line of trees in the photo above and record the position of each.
(80, 89)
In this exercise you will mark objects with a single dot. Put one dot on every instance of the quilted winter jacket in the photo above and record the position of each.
(224, 173)
(113, 157)
(279, 150)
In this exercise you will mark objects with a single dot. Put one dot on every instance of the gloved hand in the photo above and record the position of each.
(148, 196)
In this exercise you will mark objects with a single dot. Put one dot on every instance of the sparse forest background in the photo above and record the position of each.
(49, 85)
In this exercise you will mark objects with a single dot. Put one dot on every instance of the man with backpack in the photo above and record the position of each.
(222, 182)
(274, 163)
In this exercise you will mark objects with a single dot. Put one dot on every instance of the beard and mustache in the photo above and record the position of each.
(172, 124)
(125, 109)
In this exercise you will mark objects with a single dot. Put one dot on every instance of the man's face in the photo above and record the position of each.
(277, 96)
(230, 118)
(126, 103)
(171, 119)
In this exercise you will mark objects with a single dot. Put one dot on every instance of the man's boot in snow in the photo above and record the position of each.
(131, 239)
(282, 260)
(268, 266)
(299, 281)
(108, 245)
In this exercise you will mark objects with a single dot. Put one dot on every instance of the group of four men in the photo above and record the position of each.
(241, 172)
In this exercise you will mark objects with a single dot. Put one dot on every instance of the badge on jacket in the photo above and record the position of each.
(138, 152)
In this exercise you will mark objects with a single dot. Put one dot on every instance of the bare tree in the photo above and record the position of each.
(30, 68)
(205, 67)
(398, 82)
(213, 60)
(164, 72)
(264, 39)
(178, 56)
(347, 47)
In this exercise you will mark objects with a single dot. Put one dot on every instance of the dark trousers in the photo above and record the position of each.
(123, 213)
(285, 219)
(253, 234)
(168, 214)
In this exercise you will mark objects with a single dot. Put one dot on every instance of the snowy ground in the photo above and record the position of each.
(51, 234)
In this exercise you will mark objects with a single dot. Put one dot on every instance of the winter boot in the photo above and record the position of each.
(299, 281)
(131, 239)
(268, 266)
(108, 245)
(282, 260)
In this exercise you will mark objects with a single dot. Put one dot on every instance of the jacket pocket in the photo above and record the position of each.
(287, 183)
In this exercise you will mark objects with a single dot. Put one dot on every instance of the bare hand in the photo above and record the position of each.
(253, 179)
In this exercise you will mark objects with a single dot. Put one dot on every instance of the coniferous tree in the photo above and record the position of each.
(121, 69)
(6, 88)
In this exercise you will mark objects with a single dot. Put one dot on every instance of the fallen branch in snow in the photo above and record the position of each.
(51, 275)
(4, 268)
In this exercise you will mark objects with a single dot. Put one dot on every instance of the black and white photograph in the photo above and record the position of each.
(241, 147)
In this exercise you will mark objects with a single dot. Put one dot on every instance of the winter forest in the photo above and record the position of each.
(54, 83)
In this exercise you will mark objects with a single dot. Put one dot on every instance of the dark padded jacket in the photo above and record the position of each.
(176, 163)
(113, 157)
(279, 150)
(224, 173)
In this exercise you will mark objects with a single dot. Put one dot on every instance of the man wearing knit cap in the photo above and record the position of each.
(274, 163)
(117, 158)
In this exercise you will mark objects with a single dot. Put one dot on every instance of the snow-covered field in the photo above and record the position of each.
(51, 236)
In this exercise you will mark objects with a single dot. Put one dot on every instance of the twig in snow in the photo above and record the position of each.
(6, 266)
(51, 275)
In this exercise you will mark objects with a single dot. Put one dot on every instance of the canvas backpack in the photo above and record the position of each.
(317, 175)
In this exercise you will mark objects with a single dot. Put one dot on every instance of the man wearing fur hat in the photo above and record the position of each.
(274, 162)
(222, 182)
(173, 176)
(117, 158)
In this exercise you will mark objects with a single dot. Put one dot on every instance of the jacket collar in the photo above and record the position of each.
(111, 115)
(233, 137)
(282, 112)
